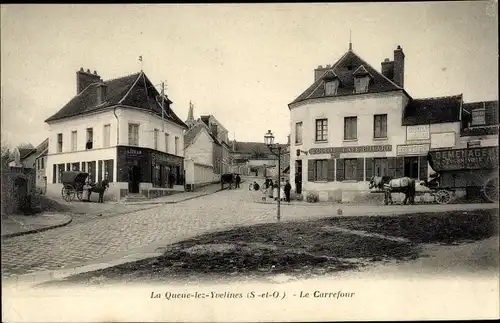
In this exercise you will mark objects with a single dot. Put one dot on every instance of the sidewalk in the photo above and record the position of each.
(17, 225)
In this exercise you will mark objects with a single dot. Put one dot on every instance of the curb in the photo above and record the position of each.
(17, 234)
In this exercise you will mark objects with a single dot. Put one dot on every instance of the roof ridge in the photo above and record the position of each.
(120, 77)
(440, 97)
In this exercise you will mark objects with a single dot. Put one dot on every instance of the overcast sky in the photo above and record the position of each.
(242, 63)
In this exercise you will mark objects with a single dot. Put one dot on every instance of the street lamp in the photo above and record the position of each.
(276, 150)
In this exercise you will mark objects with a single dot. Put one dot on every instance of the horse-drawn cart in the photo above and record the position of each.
(73, 183)
(473, 170)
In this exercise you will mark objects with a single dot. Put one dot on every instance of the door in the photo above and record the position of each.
(134, 178)
(411, 167)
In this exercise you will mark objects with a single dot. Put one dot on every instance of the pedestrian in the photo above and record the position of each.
(86, 190)
(275, 191)
(298, 182)
(287, 190)
(238, 180)
(264, 193)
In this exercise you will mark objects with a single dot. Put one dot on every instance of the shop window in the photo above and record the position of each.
(75, 167)
(380, 126)
(380, 167)
(321, 129)
(298, 133)
(350, 169)
(90, 138)
(411, 167)
(350, 128)
(59, 142)
(74, 142)
(320, 169)
(108, 170)
(133, 134)
(60, 170)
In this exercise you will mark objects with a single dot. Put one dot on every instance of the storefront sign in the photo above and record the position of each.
(406, 150)
(164, 159)
(443, 140)
(420, 132)
(354, 149)
(463, 159)
(133, 152)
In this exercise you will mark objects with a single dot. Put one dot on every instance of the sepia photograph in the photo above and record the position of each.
(250, 162)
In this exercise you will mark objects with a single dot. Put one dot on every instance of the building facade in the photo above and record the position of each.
(221, 148)
(121, 130)
(354, 122)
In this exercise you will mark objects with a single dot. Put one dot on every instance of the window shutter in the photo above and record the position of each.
(360, 169)
(340, 169)
(400, 167)
(330, 174)
(423, 168)
(54, 173)
(99, 171)
(93, 170)
(392, 166)
(369, 168)
(311, 170)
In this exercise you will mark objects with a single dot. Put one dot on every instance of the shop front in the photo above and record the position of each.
(148, 172)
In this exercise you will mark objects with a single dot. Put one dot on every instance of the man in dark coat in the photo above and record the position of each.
(238, 180)
(298, 183)
(287, 190)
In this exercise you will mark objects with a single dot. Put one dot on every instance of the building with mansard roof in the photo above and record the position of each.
(354, 122)
(120, 129)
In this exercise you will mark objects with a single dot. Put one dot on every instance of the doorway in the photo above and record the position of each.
(411, 167)
(134, 178)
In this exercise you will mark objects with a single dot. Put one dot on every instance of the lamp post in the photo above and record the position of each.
(276, 150)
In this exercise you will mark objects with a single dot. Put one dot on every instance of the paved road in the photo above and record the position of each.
(116, 236)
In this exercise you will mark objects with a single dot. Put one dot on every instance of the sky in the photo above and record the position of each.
(243, 63)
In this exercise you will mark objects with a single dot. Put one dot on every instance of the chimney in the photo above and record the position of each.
(234, 144)
(102, 90)
(399, 66)
(213, 129)
(388, 69)
(320, 71)
(84, 79)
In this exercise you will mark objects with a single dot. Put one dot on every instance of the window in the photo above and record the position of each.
(133, 134)
(380, 126)
(74, 141)
(176, 145)
(350, 169)
(321, 129)
(42, 162)
(166, 142)
(156, 136)
(90, 138)
(60, 170)
(380, 167)
(107, 135)
(331, 87)
(59, 142)
(75, 167)
(108, 169)
(361, 84)
(350, 128)
(478, 117)
(298, 133)
(321, 169)
(411, 167)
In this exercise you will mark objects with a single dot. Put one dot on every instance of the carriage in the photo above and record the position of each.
(73, 183)
(474, 170)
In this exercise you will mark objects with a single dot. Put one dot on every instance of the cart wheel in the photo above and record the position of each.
(490, 190)
(443, 197)
(68, 193)
(79, 195)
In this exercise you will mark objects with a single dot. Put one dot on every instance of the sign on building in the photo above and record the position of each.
(420, 132)
(463, 159)
(409, 150)
(353, 149)
(443, 140)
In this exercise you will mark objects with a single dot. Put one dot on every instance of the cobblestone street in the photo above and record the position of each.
(148, 229)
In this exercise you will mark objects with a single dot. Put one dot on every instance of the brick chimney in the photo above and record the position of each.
(234, 144)
(84, 79)
(320, 71)
(102, 91)
(388, 69)
(399, 66)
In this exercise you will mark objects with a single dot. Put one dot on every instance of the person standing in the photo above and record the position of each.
(287, 190)
(238, 180)
(298, 182)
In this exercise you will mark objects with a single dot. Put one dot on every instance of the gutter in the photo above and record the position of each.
(117, 126)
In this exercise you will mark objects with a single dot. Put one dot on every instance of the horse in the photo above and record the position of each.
(391, 185)
(99, 188)
(227, 178)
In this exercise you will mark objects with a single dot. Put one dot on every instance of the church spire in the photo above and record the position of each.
(190, 118)
(350, 43)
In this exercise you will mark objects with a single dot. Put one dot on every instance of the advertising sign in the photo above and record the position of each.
(420, 132)
(463, 159)
(354, 149)
(408, 150)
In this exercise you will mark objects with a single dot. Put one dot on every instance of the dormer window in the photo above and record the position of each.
(331, 87)
(361, 80)
(478, 117)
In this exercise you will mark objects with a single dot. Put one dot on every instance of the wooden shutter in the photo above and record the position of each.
(400, 167)
(93, 170)
(369, 168)
(340, 169)
(360, 169)
(422, 168)
(392, 166)
(311, 170)
(324, 170)
(99, 171)
(54, 174)
(330, 175)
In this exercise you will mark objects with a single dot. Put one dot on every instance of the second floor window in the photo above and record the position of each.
(166, 142)
(156, 134)
(478, 117)
(298, 133)
(350, 128)
(133, 134)
(176, 145)
(74, 141)
(321, 129)
(380, 126)
(107, 135)
(90, 138)
(59, 142)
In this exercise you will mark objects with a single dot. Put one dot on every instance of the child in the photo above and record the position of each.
(264, 193)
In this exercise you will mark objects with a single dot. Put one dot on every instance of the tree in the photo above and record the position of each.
(6, 157)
